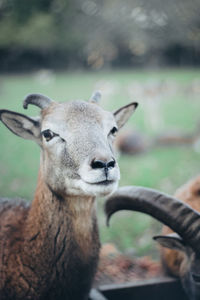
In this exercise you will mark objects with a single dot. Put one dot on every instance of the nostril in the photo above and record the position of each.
(98, 164)
(111, 164)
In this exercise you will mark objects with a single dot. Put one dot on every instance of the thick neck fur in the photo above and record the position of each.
(60, 246)
(54, 212)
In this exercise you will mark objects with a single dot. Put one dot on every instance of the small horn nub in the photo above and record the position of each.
(38, 100)
(96, 96)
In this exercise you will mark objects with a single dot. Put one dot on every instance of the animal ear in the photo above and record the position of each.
(21, 125)
(123, 114)
(171, 241)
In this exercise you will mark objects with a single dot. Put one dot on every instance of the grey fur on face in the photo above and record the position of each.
(74, 136)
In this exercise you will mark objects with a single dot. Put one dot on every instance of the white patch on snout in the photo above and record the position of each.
(90, 175)
(79, 187)
(96, 182)
(98, 189)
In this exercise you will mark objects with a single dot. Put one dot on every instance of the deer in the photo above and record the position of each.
(174, 213)
(49, 249)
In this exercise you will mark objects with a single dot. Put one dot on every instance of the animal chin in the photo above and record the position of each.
(100, 188)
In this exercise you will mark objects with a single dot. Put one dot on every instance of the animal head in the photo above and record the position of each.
(178, 216)
(76, 139)
(190, 265)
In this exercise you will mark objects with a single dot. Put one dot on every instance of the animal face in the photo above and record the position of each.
(191, 278)
(190, 265)
(77, 142)
(76, 139)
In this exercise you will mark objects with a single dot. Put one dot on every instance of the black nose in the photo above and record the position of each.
(100, 164)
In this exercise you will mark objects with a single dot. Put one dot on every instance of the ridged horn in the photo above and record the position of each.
(95, 98)
(179, 216)
(38, 100)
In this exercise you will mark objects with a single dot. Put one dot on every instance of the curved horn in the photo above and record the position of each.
(96, 96)
(172, 212)
(38, 100)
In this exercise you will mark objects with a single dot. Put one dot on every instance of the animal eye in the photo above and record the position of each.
(196, 277)
(113, 130)
(48, 134)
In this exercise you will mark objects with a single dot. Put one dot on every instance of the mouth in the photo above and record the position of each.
(99, 188)
(102, 183)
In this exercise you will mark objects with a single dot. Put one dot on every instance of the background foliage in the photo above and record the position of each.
(94, 34)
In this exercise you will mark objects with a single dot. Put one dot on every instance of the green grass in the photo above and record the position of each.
(161, 168)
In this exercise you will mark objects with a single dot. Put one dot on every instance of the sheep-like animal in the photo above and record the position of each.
(181, 218)
(49, 249)
(174, 261)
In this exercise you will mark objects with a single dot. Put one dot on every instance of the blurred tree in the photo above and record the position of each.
(98, 32)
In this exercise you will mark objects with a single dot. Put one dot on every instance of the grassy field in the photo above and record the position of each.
(169, 101)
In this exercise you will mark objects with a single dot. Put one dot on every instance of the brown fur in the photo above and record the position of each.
(50, 249)
(190, 194)
(40, 245)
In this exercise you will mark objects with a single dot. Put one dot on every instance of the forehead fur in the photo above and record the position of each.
(74, 111)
